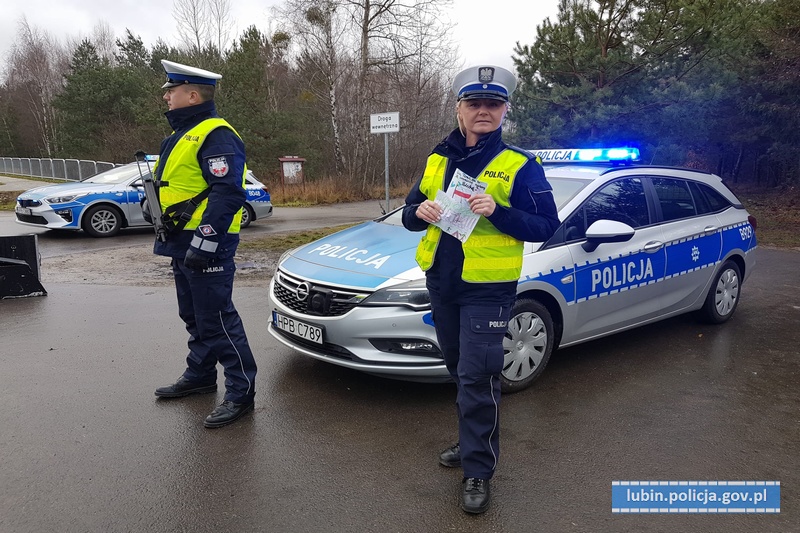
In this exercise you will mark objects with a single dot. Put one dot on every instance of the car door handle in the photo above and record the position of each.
(709, 230)
(653, 246)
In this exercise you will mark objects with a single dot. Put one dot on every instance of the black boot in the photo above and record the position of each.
(184, 387)
(475, 495)
(227, 412)
(451, 457)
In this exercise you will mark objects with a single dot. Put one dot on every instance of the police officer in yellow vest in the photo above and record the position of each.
(201, 169)
(472, 285)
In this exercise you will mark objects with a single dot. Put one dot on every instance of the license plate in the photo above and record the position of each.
(295, 327)
(23, 211)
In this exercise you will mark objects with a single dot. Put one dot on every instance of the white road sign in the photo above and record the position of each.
(384, 122)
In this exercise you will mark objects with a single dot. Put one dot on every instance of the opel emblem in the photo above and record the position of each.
(302, 291)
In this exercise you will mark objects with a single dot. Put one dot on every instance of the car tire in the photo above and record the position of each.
(527, 346)
(723, 296)
(102, 221)
(247, 216)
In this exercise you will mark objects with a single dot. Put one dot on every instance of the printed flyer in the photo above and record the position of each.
(457, 219)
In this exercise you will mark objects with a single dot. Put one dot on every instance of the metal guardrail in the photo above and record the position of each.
(59, 169)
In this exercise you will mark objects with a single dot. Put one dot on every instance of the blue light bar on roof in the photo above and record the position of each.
(151, 157)
(588, 155)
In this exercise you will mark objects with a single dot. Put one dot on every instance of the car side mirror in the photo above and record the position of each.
(604, 231)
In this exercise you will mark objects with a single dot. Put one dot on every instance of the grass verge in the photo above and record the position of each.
(8, 199)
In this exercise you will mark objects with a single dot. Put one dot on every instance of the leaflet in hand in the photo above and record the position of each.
(457, 218)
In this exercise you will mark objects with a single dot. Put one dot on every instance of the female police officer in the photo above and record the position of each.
(473, 285)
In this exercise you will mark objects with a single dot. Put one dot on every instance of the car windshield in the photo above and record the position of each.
(116, 175)
(564, 189)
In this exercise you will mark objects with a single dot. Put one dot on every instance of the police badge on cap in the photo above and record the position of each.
(485, 81)
(178, 74)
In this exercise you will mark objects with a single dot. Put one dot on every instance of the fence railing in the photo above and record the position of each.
(59, 169)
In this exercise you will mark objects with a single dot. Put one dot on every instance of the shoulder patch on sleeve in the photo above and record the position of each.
(207, 230)
(218, 166)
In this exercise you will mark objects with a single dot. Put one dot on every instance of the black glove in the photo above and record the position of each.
(195, 261)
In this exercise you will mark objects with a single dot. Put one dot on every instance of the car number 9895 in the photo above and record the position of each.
(295, 327)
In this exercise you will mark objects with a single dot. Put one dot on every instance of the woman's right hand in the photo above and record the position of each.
(429, 211)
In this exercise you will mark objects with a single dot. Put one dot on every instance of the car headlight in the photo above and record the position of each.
(67, 198)
(411, 294)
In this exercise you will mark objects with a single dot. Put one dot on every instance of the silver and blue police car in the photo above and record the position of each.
(109, 201)
(636, 244)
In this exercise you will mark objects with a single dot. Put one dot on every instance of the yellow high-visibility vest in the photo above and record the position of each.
(489, 255)
(185, 177)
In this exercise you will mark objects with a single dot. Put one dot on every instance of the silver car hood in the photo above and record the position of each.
(368, 256)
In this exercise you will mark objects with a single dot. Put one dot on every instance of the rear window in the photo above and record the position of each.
(674, 198)
(685, 198)
(707, 199)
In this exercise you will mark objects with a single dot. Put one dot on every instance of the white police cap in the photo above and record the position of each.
(178, 74)
(486, 81)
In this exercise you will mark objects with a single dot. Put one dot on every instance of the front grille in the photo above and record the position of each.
(29, 203)
(32, 219)
(314, 299)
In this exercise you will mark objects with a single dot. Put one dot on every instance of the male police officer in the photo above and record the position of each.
(201, 169)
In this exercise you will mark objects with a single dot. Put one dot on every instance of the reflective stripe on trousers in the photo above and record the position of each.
(216, 332)
(471, 339)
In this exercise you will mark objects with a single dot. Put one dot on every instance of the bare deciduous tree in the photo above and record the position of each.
(361, 50)
(192, 21)
(104, 41)
(35, 75)
(203, 23)
(102, 38)
(219, 12)
(319, 32)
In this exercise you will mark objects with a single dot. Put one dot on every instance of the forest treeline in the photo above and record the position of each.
(710, 84)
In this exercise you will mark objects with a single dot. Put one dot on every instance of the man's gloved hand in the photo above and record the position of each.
(195, 261)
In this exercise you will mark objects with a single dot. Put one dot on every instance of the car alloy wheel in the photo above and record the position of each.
(527, 345)
(102, 221)
(723, 296)
(247, 216)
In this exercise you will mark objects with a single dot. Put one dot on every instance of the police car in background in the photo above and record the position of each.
(109, 201)
(637, 244)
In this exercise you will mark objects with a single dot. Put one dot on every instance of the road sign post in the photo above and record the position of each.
(385, 123)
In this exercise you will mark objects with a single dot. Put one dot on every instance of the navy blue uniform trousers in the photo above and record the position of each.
(216, 332)
(471, 339)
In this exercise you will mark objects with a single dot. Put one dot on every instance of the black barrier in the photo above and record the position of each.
(17, 280)
(24, 247)
(19, 267)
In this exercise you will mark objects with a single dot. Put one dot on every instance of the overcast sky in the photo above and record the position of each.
(485, 30)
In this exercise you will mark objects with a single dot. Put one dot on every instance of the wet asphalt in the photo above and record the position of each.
(86, 446)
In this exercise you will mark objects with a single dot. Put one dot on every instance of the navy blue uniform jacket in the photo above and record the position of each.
(532, 216)
(227, 195)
